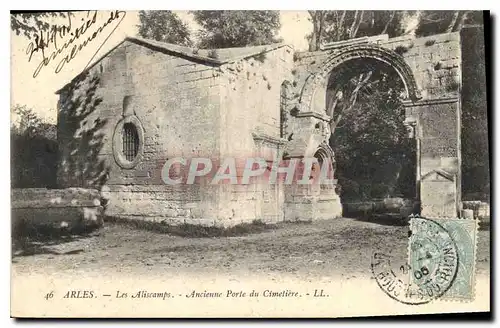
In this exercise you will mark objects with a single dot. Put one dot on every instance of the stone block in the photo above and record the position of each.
(467, 214)
(67, 209)
(438, 195)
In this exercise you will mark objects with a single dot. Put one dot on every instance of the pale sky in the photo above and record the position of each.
(39, 92)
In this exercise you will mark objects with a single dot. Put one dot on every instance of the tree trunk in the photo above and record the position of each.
(362, 81)
(393, 14)
(340, 27)
(312, 40)
(413, 27)
(320, 29)
(353, 25)
(355, 32)
(460, 22)
(453, 21)
(317, 18)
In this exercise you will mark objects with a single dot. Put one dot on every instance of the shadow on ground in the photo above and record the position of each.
(42, 239)
(398, 221)
(484, 225)
(383, 219)
(192, 230)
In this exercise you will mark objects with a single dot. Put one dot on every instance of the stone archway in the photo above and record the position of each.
(430, 71)
(311, 119)
(327, 165)
(318, 200)
(315, 82)
(311, 124)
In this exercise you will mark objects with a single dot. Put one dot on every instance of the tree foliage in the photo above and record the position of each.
(366, 111)
(29, 24)
(33, 150)
(29, 124)
(446, 21)
(373, 153)
(237, 28)
(475, 130)
(164, 26)
(368, 135)
(338, 25)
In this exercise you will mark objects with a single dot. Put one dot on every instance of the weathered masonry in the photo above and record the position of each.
(430, 69)
(145, 102)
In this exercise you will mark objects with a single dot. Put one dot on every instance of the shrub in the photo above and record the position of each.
(429, 43)
(401, 50)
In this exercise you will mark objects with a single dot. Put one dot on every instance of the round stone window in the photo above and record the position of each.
(128, 142)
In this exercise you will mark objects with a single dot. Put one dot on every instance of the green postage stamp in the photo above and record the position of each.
(442, 254)
(440, 263)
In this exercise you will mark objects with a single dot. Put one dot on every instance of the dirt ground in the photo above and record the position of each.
(340, 247)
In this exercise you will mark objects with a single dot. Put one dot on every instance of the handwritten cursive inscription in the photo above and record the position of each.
(72, 46)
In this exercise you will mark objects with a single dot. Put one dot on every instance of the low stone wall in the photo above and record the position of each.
(68, 209)
(166, 204)
(221, 206)
(400, 206)
(480, 209)
(218, 205)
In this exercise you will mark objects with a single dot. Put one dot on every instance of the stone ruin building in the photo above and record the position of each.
(166, 101)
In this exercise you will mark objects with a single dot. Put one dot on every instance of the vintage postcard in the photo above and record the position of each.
(251, 164)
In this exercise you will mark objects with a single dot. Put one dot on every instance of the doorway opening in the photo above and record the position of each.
(376, 161)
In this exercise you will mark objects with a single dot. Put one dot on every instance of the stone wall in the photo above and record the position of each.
(250, 95)
(434, 61)
(159, 203)
(480, 209)
(185, 109)
(72, 208)
(175, 101)
(434, 64)
(250, 120)
(476, 184)
(188, 107)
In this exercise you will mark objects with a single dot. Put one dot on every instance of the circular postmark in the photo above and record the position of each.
(429, 271)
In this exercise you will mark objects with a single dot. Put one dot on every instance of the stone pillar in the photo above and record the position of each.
(436, 125)
(310, 133)
(269, 197)
(411, 126)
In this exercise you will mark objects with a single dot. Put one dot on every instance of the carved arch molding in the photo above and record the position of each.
(346, 54)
